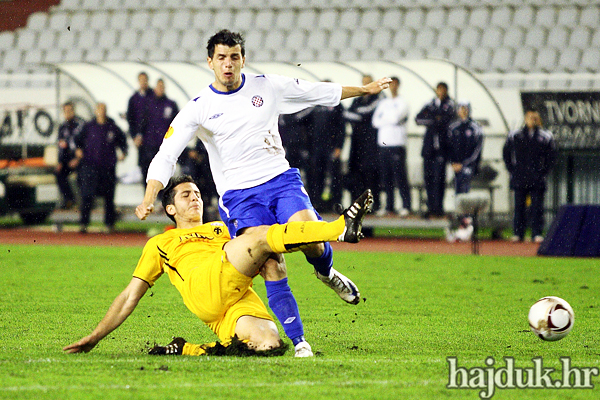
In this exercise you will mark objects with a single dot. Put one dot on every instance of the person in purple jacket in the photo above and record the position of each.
(96, 158)
(160, 112)
(137, 110)
(67, 132)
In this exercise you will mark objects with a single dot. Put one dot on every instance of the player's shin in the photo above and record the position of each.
(284, 306)
(324, 262)
(293, 236)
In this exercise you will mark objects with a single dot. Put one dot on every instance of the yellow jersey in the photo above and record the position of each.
(180, 253)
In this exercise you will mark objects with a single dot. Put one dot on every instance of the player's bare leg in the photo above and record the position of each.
(257, 334)
(261, 334)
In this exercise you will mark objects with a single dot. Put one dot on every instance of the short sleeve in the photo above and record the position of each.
(149, 266)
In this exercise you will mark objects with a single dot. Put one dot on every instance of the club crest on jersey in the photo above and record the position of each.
(257, 101)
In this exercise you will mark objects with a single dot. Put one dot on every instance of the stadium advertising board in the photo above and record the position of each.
(573, 117)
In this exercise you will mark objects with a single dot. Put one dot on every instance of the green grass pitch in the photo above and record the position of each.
(418, 310)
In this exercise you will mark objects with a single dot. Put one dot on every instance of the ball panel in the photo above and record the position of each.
(551, 318)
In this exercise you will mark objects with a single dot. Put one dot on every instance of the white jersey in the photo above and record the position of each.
(390, 119)
(240, 128)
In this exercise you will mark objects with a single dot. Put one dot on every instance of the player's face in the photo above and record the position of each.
(394, 86)
(227, 63)
(463, 112)
(143, 81)
(159, 89)
(187, 205)
(532, 119)
(441, 92)
(68, 112)
(101, 112)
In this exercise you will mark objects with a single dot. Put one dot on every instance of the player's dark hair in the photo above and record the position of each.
(443, 84)
(143, 73)
(227, 38)
(69, 103)
(395, 78)
(168, 193)
(531, 108)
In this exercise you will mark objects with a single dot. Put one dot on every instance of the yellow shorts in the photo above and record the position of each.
(219, 295)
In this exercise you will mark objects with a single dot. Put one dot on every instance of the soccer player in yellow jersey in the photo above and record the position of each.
(214, 273)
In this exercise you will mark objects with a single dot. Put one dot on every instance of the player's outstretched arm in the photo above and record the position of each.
(118, 312)
(152, 188)
(371, 88)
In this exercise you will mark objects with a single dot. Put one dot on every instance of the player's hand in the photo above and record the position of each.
(82, 346)
(143, 210)
(457, 167)
(377, 86)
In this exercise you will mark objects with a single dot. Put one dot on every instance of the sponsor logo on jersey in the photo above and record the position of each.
(216, 116)
(169, 132)
(257, 101)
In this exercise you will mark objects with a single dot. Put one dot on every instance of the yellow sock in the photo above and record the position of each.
(190, 349)
(292, 236)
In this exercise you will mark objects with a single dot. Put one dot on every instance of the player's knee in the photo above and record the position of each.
(257, 233)
(265, 338)
(274, 268)
(314, 250)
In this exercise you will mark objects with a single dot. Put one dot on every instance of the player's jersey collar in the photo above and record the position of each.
(233, 91)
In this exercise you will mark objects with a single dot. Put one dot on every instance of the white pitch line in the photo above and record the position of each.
(222, 360)
(241, 385)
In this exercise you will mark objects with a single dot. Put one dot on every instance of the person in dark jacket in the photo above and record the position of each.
(326, 131)
(67, 132)
(137, 110)
(529, 155)
(465, 142)
(160, 112)
(364, 156)
(194, 162)
(436, 116)
(97, 157)
(294, 141)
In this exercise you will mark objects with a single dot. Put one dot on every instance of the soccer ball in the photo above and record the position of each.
(551, 318)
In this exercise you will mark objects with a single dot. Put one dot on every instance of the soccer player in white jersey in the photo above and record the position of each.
(236, 119)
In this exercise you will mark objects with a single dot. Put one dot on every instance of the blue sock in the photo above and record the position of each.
(324, 263)
(285, 308)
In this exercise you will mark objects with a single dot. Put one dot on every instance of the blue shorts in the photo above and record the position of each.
(272, 202)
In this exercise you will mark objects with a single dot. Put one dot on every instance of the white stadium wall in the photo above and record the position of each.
(113, 83)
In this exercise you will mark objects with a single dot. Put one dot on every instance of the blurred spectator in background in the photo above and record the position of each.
(390, 119)
(362, 165)
(529, 155)
(436, 116)
(465, 143)
(326, 131)
(194, 162)
(293, 139)
(96, 156)
(67, 132)
(159, 113)
(137, 111)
